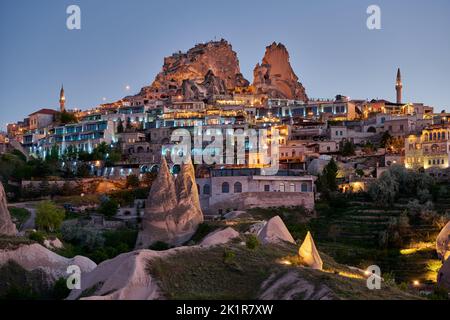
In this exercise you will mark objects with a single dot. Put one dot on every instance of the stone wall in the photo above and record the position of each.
(249, 200)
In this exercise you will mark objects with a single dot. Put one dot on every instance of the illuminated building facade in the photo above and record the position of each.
(430, 150)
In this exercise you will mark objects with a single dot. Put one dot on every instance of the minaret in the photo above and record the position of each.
(399, 86)
(62, 100)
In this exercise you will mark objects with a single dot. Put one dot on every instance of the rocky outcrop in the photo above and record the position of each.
(275, 77)
(444, 275)
(36, 257)
(7, 227)
(219, 237)
(173, 211)
(212, 66)
(53, 244)
(275, 231)
(443, 243)
(124, 277)
(291, 285)
(309, 255)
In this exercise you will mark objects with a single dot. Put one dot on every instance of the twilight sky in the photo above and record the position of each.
(123, 42)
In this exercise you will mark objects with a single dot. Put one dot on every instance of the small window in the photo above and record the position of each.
(225, 187)
(266, 188)
(237, 187)
(304, 187)
(282, 187)
(206, 189)
(292, 187)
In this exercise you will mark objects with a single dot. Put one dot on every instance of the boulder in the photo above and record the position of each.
(124, 277)
(275, 231)
(173, 210)
(444, 275)
(291, 285)
(275, 77)
(36, 257)
(219, 237)
(309, 255)
(53, 244)
(443, 243)
(7, 227)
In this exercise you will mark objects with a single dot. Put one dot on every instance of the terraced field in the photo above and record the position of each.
(352, 236)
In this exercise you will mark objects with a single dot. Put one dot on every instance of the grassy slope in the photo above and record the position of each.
(214, 273)
(356, 241)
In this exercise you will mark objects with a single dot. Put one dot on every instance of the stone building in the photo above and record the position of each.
(240, 189)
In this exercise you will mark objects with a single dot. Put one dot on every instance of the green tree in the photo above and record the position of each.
(49, 216)
(348, 149)
(327, 180)
(67, 117)
(109, 208)
(385, 190)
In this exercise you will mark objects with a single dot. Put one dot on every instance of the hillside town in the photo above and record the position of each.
(365, 173)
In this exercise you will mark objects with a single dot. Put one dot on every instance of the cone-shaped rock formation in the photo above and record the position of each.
(443, 243)
(7, 227)
(173, 210)
(275, 231)
(309, 254)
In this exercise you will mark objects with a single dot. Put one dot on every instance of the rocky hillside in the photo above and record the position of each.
(275, 76)
(254, 263)
(227, 271)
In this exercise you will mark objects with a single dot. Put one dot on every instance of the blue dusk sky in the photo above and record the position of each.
(123, 42)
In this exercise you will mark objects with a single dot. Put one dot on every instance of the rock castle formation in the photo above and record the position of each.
(275, 77)
(212, 69)
(7, 227)
(173, 211)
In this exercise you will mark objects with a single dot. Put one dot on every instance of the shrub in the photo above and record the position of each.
(252, 242)
(49, 216)
(37, 236)
(228, 256)
(60, 290)
(109, 208)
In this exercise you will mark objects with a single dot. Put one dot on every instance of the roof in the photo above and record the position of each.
(44, 111)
